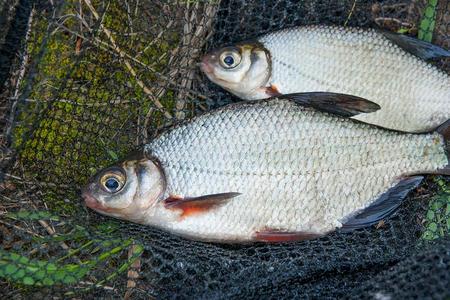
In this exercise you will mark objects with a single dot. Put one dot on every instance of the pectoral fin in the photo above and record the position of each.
(195, 205)
(272, 91)
(384, 206)
(339, 104)
(416, 47)
(276, 236)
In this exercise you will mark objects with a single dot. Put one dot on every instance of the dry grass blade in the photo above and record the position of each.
(163, 78)
(197, 28)
(129, 67)
(20, 77)
(52, 232)
(133, 272)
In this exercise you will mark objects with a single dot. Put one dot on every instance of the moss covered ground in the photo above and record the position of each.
(84, 109)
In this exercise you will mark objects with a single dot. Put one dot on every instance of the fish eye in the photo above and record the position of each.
(112, 182)
(230, 59)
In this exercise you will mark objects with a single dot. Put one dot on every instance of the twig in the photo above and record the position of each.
(94, 104)
(123, 55)
(23, 67)
(157, 38)
(381, 20)
(106, 46)
(130, 20)
(351, 13)
(79, 40)
(133, 271)
(12, 176)
(120, 127)
(51, 231)
(105, 287)
(138, 133)
(21, 229)
(44, 184)
(196, 31)
(147, 122)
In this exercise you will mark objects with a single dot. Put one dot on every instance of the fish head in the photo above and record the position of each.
(242, 69)
(126, 190)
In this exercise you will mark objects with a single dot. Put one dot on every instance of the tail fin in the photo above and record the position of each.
(444, 130)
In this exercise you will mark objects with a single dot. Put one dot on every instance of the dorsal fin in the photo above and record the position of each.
(384, 206)
(339, 104)
(416, 47)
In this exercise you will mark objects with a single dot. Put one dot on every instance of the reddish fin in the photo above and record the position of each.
(276, 236)
(272, 91)
(195, 205)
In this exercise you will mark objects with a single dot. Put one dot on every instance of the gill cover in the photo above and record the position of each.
(141, 182)
(244, 69)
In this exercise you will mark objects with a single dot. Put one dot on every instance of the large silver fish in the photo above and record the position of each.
(268, 170)
(383, 67)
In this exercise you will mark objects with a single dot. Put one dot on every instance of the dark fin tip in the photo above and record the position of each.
(444, 130)
(277, 236)
(415, 46)
(384, 206)
(340, 104)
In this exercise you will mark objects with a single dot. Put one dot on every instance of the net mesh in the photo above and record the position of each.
(85, 82)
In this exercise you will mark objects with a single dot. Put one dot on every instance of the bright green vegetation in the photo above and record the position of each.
(426, 26)
(102, 252)
(20, 269)
(437, 222)
(438, 215)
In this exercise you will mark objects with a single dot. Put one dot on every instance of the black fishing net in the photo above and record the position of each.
(83, 83)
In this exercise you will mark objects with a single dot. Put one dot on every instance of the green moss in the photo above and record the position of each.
(428, 22)
(75, 129)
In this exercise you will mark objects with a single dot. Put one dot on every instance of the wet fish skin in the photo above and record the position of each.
(414, 96)
(295, 169)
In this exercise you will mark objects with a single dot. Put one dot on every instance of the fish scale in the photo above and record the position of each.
(413, 95)
(297, 169)
(383, 67)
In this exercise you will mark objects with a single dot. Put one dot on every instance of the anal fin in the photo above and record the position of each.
(276, 236)
(195, 205)
(384, 206)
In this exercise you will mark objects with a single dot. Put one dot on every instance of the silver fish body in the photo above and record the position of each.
(414, 96)
(296, 169)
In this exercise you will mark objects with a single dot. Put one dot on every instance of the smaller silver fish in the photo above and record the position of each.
(269, 170)
(383, 67)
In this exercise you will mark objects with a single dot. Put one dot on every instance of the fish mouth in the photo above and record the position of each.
(205, 65)
(92, 203)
